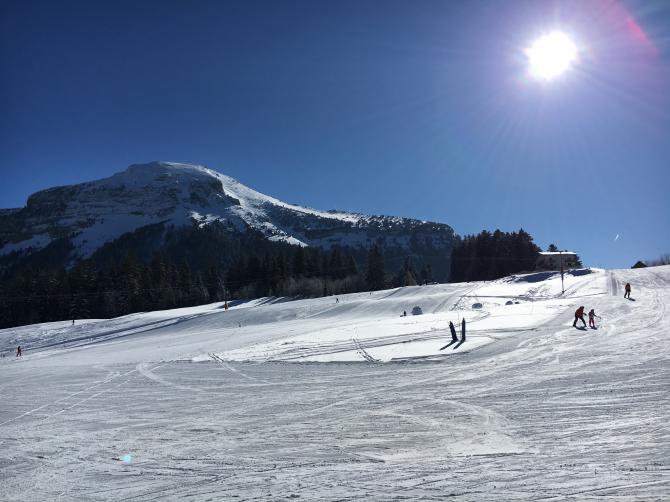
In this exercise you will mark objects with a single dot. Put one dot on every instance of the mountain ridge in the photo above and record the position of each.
(95, 213)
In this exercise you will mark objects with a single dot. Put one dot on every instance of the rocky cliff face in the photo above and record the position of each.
(95, 213)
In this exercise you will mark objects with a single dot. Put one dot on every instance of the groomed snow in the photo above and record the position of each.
(208, 404)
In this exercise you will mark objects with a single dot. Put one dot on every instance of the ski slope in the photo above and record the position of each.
(316, 330)
(208, 404)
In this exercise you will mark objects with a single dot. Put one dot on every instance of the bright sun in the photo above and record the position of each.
(551, 55)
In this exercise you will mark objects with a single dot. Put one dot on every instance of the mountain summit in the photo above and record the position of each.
(96, 213)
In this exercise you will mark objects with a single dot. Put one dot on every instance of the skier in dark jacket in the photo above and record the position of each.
(579, 316)
(463, 330)
(627, 293)
(18, 351)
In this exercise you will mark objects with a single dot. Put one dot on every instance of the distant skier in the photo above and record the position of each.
(592, 318)
(337, 300)
(627, 293)
(18, 351)
(579, 316)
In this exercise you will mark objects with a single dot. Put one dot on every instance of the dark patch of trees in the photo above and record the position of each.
(664, 259)
(156, 268)
(375, 275)
(488, 256)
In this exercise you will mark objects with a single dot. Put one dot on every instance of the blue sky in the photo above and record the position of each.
(418, 109)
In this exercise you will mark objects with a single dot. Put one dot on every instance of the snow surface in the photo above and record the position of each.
(35, 242)
(207, 404)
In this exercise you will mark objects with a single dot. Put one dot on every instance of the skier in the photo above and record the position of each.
(592, 318)
(337, 300)
(627, 293)
(579, 316)
(18, 351)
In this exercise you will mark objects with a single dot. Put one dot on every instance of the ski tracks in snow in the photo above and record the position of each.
(231, 368)
(110, 377)
(363, 352)
(543, 415)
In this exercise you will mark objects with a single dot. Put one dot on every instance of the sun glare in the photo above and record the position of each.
(551, 55)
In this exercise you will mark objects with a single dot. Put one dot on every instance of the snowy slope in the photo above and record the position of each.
(355, 327)
(529, 408)
(99, 212)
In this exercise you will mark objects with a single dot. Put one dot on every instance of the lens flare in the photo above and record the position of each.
(551, 55)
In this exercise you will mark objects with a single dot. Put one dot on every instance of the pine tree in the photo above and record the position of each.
(336, 264)
(351, 267)
(375, 276)
(299, 262)
(489, 256)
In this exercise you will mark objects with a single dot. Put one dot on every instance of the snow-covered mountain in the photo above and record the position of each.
(95, 213)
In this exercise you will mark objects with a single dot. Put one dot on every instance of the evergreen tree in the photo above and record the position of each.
(375, 276)
(299, 262)
(489, 256)
(350, 264)
(336, 264)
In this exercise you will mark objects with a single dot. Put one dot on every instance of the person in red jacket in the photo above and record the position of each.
(579, 316)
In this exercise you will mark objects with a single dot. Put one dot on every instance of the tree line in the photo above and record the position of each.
(156, 268)
(492, 255)
(190, 267)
